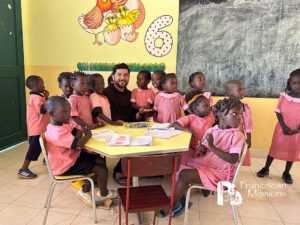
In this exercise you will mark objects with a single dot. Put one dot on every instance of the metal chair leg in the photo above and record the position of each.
(119, 201)
(234, 210)
(47, 199)
(93, 199)
(49, 202)
(187, 198)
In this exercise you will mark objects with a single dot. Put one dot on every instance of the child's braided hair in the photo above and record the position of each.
(292, 74)
(226, 104)
(76, 75)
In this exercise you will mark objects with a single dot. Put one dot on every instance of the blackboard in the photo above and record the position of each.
(255, 41)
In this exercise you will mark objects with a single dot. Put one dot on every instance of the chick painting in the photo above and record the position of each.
(126, 21)
(112, 32)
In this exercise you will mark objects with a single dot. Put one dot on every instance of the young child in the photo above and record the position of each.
(196, 123)
(168, 104)
(197, 82)
(99, 102)
(286, 137)
(81, 110)
(64, 81)
(64, 151)
(37, 121)
(235, 89)
(142, 98)
(156, 81)
(219, 153)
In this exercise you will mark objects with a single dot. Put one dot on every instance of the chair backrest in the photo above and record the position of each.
(241, 160)
(44, 151)
(153, 165)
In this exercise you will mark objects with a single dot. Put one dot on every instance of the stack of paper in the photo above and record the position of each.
(103, 135)
(164, 134)
(160, 126)
(142, 141)
(119, 140)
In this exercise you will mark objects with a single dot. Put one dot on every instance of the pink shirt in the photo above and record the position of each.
(36, 122)
(59, 140)
(81, 107)
(212, 168)
(200, 126)
(142, 97)
(100, 101)
(156, 91)
(208, 96)
(169, 107)
(246, 124)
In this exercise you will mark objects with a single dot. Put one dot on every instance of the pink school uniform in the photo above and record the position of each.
(286, 147)
(208, 96)
(200, 126)
(81, 107)
(168, 107)
(246, 126)
(142, 97)
(59, 140)
(36, 121)
(212, 168)
(156, 91)
(101, 101)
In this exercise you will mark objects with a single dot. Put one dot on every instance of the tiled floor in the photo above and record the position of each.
(266, 201)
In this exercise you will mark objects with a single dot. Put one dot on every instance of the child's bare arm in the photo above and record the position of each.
(248, 140)
(84, 139)
(179, 127)
(80, 122)
(106, 119)
(228, 157)
(134, 105)
(285, 129)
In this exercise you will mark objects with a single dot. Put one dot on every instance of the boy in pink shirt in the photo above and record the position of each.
(64, 151)
(37, 121)
(235, 89)
(219, 153)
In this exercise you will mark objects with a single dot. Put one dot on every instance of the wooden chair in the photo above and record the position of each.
(152, 197)
(231, 196)
(63, 179)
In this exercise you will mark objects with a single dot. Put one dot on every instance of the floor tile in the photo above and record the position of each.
(54, 218)
(3, 205)
(254, 221)
(11, 192)
(288, 212)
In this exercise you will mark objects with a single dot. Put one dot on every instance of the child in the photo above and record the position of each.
(235, 89)
(64, 152)
(220, 153)
(286, 137)
(156, 81)
(196, 123)
(37, 121)
(142, 98)
(197, 82)
(99, 102)
(81, 110)
(64, 80)
(168, 104)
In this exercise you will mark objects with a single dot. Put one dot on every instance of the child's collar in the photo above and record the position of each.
(36, 93)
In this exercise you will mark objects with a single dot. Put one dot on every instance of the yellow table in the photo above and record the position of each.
(177, 143)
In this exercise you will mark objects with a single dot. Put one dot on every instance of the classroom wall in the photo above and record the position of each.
(45, 55)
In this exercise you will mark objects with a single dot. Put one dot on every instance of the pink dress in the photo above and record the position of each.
(102, 102)
(59, 140)
(142, 97)
(36, 121)
(208, 96)
(169, 107)
(200, 126)
(246, 126)
(287, 147)
(211, 168)
(156, 91)
(81, 107)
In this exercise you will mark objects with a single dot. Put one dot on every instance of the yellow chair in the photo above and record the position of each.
(63, 179)
(231, 195)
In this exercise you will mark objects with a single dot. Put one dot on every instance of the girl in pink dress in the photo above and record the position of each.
(64, 81)
(142, 98)
(197, 82)
(81, 110)
(235, 89)
(196, 124)
(286, 138)
(219, 153)
(156, 81)
(99, 102)
(168, 104)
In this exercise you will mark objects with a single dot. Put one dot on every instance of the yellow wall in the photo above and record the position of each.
(54, 42)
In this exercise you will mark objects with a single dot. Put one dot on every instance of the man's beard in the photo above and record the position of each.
(120, 86)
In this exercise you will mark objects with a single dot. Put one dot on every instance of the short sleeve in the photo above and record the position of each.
(95, 100)
(208, 96)
(74, 107)
(237, 143)
(156, 102)
(183, 103)
(247, 119)
(63, 138)
(133, 95)
(185, 121)
(151, 97)
(37, 102)
(278, 108)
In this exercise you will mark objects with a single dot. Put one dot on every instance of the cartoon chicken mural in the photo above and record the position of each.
(116, 19)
